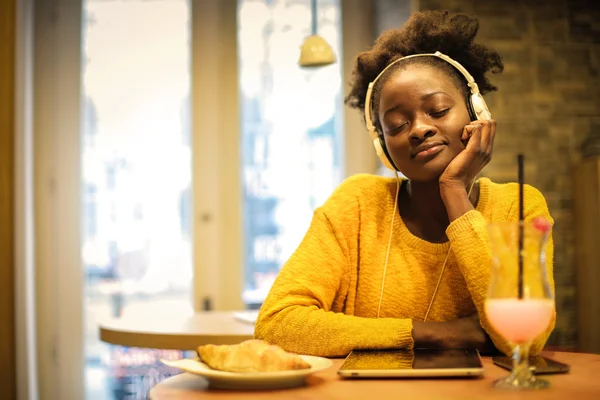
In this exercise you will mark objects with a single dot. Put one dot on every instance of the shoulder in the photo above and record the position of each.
(504, 197)
(358, 194)
(363, 188)
(510, 191)
(364, 184)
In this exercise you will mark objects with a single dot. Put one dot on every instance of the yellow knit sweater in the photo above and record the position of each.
(324, 301)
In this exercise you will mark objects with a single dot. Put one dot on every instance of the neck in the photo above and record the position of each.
(425, 203)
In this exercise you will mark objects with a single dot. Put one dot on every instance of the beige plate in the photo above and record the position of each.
(252, 380)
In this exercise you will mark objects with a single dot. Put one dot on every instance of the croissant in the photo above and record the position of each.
(250, 356)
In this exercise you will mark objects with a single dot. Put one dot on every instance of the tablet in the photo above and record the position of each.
(419, 363)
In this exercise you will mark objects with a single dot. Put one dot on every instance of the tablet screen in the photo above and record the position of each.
(418, 359)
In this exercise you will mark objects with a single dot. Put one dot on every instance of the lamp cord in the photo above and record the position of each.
(313, 7)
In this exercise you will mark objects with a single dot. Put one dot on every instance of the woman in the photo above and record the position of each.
(403, 264)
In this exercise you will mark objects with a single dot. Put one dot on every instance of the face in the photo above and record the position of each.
(422, 115)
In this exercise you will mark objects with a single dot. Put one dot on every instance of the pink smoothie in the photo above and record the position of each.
(519, 321)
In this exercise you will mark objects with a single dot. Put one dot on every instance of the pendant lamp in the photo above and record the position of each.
(315, 51)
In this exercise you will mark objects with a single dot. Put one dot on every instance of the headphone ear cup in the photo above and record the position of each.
(471, 110)
(479, 107)
(383, 154)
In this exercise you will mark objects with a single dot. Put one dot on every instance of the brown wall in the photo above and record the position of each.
(7, 304)
(548, 101)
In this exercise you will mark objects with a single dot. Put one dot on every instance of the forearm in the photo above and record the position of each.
(312, 331)
(470, 244)
(456, 199)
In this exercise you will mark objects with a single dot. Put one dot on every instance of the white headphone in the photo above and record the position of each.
(477, 107)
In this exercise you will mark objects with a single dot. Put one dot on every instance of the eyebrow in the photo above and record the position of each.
(429, 95)
(389, 110)
(423, 98)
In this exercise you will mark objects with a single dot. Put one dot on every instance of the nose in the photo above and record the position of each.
(421, 131)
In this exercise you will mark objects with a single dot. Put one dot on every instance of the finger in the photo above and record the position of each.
(485, 136)
(490, 147)
(474, 142)
(467, 133)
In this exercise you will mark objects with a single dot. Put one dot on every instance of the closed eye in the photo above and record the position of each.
(398, 129)
(440, 114)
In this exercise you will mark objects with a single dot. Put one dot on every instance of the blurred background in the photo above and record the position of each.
(168, 155)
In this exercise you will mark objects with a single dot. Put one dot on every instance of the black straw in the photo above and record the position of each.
(520, 160)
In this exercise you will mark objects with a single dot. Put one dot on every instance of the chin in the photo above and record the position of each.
(427, 172)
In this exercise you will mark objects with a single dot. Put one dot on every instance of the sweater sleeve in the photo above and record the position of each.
(297, 313)
(470, 244)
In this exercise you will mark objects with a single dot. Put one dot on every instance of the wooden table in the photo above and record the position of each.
(581, 383)
(176, 332)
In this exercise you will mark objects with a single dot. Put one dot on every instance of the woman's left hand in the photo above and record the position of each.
(479, 139)
(467, 332)
(461, 333)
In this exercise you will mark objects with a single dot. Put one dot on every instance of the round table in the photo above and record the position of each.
(176, 332)
(581, 383)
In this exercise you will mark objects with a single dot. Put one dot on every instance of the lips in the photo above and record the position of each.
(428, 148)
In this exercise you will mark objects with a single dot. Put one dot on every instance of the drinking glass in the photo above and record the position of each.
(517, 315)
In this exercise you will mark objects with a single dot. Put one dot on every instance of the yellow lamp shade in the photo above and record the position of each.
(315, 52)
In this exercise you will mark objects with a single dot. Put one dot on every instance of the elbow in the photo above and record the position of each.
(538, 345)
(270, 328)
(263, 328)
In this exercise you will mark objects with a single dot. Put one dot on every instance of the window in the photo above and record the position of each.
(136, 181)
(108, 80)
(291, 130)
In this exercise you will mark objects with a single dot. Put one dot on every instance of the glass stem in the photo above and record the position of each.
(521, 360)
